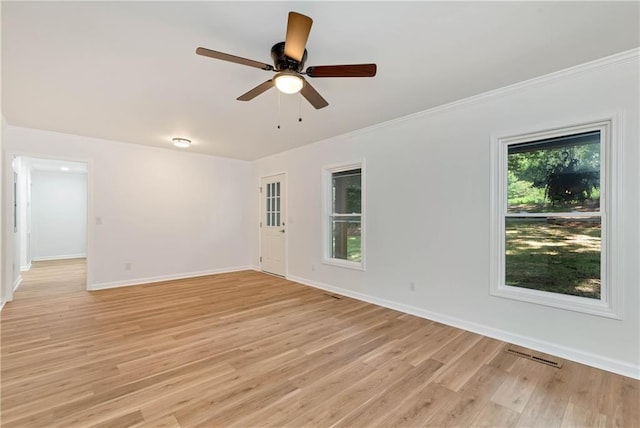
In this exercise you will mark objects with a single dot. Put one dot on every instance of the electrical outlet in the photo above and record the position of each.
(127, 266)
(313, 266)
(412, 286)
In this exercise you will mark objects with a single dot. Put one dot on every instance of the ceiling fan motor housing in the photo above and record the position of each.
(282, 62)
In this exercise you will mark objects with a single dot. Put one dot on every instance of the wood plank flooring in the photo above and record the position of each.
(248, 350)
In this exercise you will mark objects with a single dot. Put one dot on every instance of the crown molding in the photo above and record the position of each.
(608, 61)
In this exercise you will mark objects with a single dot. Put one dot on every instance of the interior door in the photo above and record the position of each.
(272, 225)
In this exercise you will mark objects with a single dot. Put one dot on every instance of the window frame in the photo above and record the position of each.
(327, 214)
(609, 305)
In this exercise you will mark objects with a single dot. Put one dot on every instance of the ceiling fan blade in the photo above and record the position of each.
(233, 58)
(298, 28)
(313, 96)
(248, 96)
(352, 70)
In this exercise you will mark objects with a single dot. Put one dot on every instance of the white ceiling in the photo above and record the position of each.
(128, 71)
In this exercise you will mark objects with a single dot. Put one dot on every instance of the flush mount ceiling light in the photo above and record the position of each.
(288, 82)
(183, 143)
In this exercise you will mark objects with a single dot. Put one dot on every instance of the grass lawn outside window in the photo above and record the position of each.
(554, 255)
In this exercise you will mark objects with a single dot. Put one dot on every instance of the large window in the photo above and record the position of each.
(553, 204)
(344, 216)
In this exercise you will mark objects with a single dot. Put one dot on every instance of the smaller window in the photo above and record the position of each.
(344, 218)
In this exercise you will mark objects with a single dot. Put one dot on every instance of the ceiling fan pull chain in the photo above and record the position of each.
(278, 109)
(300, 108)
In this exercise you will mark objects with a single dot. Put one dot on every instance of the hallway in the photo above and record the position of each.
(53, 278)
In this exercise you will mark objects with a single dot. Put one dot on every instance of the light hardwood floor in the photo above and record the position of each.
(248, 349)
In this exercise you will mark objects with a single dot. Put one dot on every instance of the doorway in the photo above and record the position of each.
(272, 224)
(50, 216)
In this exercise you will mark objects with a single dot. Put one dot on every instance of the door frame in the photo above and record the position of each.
(285, 189)
(9, 257)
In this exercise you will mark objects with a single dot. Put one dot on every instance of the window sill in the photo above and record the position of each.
(344, 264)
(572, 303)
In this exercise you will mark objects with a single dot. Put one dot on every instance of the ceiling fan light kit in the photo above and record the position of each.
(289, 58)
(288, 83)
(183, 143)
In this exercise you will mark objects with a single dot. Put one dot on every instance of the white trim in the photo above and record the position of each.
(590, 359)
(13, 153)
(2, 305)
(618, 58)
(547, 214)
(61, 257)
(610, 303)
(91, 224)
(25, 268)
(347, 264)
(613, 169)
(162, 278)
(327, 213)
(16, 283)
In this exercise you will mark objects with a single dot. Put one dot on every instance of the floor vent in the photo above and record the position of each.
(536, 358)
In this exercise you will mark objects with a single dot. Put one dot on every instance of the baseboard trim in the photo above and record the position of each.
(2, 303)
(162, 278)
(63, 257)
(587, 358)
(17, 282)
(25, 268)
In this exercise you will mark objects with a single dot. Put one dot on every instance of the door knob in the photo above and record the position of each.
(282, 231)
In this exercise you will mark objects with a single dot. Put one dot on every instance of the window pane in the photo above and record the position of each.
(346, 190)
(278, 188)
(559, 255)
(268, 209)
(278, 219)
(555, 175)
(346, 238)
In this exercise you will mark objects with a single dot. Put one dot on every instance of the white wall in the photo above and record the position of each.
(166, 213)
(4, 293)
(428, 212)
(58, 214)
(24, 206)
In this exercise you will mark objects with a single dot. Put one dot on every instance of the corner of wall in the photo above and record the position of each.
(3, 293)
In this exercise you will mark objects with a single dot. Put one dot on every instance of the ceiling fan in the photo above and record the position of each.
(288, 59)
